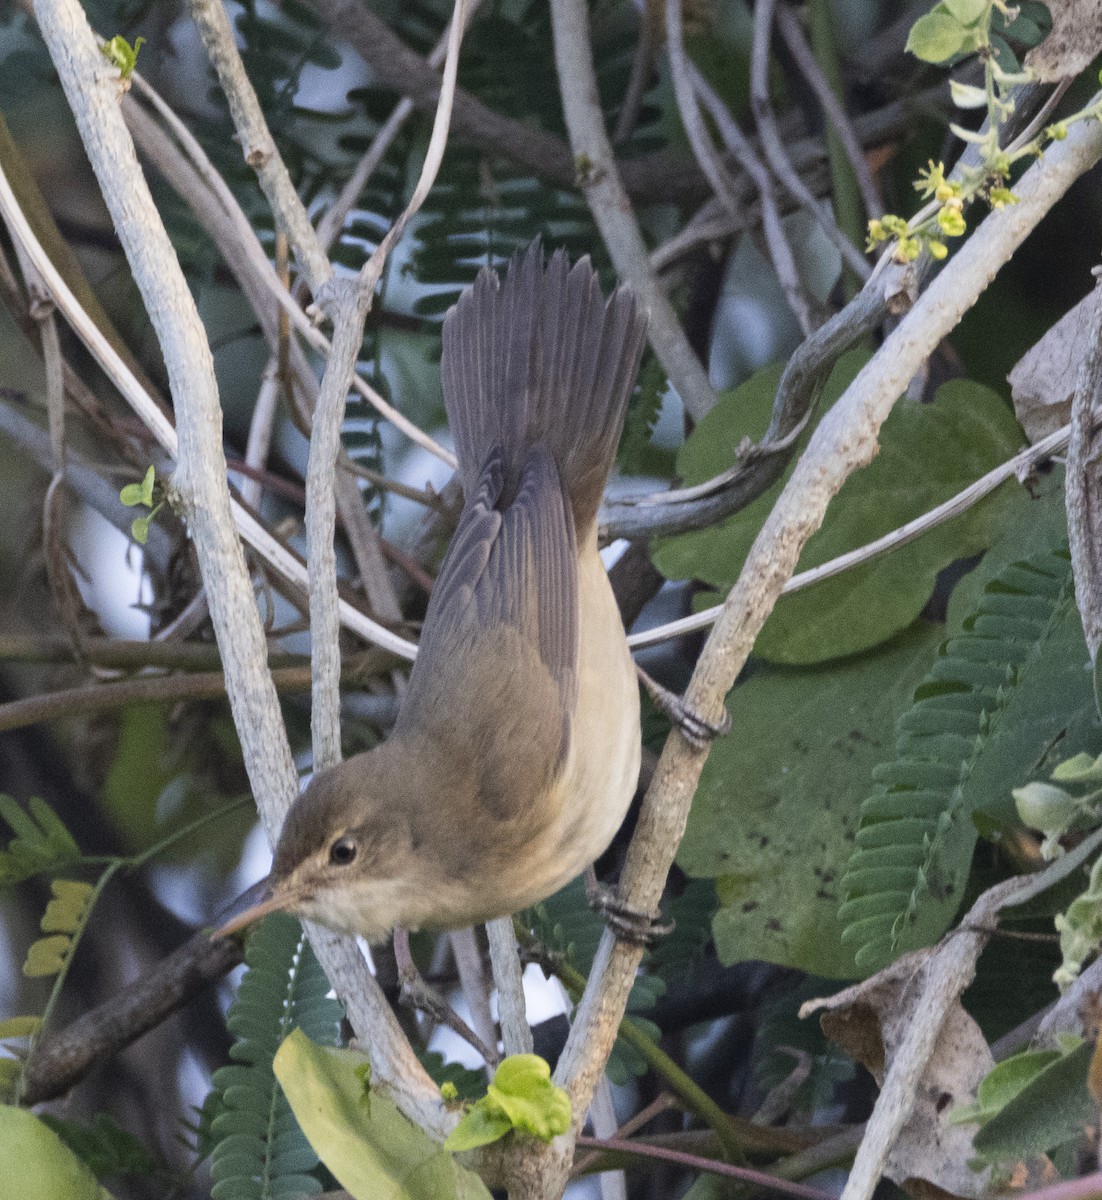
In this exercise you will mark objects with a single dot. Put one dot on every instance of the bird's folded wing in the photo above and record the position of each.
(504, 609)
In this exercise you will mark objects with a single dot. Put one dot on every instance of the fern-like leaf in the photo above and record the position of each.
(41, 843)
(997, 701)
(259, 1152)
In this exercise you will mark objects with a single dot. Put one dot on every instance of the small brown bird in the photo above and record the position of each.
(516, 751)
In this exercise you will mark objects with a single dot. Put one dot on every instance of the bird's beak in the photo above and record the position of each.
(262, 898)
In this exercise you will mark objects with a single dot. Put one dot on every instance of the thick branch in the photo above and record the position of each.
(63, 1059)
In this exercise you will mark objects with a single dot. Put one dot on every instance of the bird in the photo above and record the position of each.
(516, 750)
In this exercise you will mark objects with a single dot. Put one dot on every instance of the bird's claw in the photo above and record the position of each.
(628, 923)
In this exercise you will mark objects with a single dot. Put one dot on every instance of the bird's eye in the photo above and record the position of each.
(342, 852)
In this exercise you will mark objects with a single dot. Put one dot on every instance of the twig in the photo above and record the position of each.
(953, 507)
(688, 84)
(99, 697)
(608, 201)
(799, 388)
(774, 148)
(336, 214)
(793, 34)
(761, 1179)
(516, 1034)
(90, 84)
(642, 68)
(845, 440)
(1087, 1187)
(472, 983)
(602, 1121)
(416, 993)
(349, 304)
(257, 144)
(1081, 486)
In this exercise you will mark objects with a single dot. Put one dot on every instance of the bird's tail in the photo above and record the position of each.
(541, 358)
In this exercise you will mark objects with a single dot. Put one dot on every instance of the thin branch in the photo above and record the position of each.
(760, 467)
(642, 69)
(760, 1179)
(688, 83)
(349, 304)
(970, 496)
(472, 983)
(1081, 487)
(774, 148)
(257, 143)
(516, 1034)
(331, 224)
(608, 201)
(125, 655)
(91, 87)
(321, 515)
(100, 697)
(792, 32)
(844, 441)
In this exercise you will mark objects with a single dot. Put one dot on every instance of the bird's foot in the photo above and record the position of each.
(420, 996)
(628, 923)
(697, 731)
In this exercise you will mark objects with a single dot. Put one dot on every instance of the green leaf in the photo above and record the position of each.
(139, 493)
(372, 1150)
(46, 956)
(479, 1126)
(1002, 1084)
(777, 807)
(65, 911)
(41, 843)
(967, 12)
(936, 37)
(107, 1149)
(928, 452)
(121, 54)
(521, 1098)
(37, 1165)
(19, 1027)
(1048, 1111)
(523, 1091)
(1001, 702)
(1080, 929)
(255, 1143)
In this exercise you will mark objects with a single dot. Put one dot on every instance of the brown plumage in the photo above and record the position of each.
(516, 751)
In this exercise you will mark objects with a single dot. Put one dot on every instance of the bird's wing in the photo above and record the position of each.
(503, 618)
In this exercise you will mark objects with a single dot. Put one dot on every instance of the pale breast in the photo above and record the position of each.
(592, 794)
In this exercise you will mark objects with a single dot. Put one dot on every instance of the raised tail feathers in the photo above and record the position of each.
(541, 358)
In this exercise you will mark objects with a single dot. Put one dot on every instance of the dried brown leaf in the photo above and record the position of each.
(1043, 380)
(869, 1021)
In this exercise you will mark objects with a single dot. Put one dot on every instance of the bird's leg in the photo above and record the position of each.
(694, 728)
(628, 923)
(417, 994)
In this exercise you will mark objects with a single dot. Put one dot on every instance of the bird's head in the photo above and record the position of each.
(347, 855)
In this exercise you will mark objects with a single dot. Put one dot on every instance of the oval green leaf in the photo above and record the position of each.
(372, 1149)
(37, 1163)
